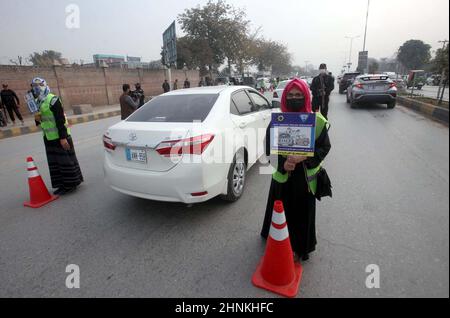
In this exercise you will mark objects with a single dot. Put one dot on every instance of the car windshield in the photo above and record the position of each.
(176, 108)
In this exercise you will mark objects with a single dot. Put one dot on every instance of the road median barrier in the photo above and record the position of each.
(439, 113)
(73, 120)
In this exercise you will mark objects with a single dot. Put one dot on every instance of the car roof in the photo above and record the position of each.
(206, 90)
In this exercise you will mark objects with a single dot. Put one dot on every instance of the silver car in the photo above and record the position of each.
(378, 89)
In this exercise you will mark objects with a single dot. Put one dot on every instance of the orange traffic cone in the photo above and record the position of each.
(39, 195)
(277, 272)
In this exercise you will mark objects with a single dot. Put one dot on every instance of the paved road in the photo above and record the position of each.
(390, 207)
(432, 91)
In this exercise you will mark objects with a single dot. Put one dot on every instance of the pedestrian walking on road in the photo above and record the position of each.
(321, 88)
(127, 104)
(295, 181)
(11, 102)
(166, 86)
(65, 172)
(175, 85)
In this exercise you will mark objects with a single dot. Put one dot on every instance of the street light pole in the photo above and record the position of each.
(367, 20)
(306, 68)
(351, 48)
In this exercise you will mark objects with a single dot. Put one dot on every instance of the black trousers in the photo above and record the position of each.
(13, 109)
(324, 106)
(321, 105)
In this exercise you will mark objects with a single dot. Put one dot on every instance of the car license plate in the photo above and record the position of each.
(137, 155)
(377, 88)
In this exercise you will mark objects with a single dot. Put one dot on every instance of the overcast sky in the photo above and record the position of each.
(313, 30)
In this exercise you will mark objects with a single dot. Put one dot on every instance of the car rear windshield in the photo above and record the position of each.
(348, 76)
(176, 109)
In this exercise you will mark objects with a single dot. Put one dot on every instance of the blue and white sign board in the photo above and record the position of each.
(170, 45)
(31, 103)
(293, 134)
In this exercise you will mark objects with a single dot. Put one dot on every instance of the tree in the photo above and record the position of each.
(46, 58)
(414, 54)
(273, 56)
(203, 25)
(440, 62)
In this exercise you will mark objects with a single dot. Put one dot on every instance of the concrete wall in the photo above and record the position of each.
(95, 86)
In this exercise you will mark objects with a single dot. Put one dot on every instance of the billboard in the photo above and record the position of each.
(363, 62)
(170, 45)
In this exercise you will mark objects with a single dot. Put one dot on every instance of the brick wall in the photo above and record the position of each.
(94, 86)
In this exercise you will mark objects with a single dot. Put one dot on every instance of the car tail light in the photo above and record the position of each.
(359, 85)
(199, 194)
(392, 85)
(107, 142)
(275, 95)
(191, 146)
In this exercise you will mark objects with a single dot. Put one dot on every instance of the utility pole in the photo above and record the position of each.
(306, 68)
(351, 48)
(442, 83)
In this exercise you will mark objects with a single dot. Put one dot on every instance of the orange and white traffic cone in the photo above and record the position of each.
(277, 272)
(39, 195)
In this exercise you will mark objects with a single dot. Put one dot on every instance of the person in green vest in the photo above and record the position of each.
(62, 161)
(295, 179)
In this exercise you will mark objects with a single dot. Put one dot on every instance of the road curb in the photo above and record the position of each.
(19, 131)
(438, 113)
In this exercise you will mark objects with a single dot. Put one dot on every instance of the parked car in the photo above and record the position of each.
(372, 89)
(249, 81)
(278, 93)
(346, 81)
(434, 80)
(397, 79)
(223, 80)
(158, 153)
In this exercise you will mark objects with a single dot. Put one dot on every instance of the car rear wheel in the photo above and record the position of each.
(348, 99)
(391, 105)
(353, 104)
(236, 178)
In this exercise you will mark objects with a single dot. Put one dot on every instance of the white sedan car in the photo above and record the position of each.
(188, 145)
(278, 92)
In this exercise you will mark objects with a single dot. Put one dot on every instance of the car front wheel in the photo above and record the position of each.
(236, 178)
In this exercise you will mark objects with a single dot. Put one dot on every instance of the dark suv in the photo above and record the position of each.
(346, 81)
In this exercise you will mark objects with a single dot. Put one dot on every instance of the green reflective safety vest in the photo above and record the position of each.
(311, 174)
(48, 122)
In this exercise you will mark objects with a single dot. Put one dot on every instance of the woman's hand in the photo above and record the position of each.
(65, 144)
(289, 166)
(37, 117)
(296, 159)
